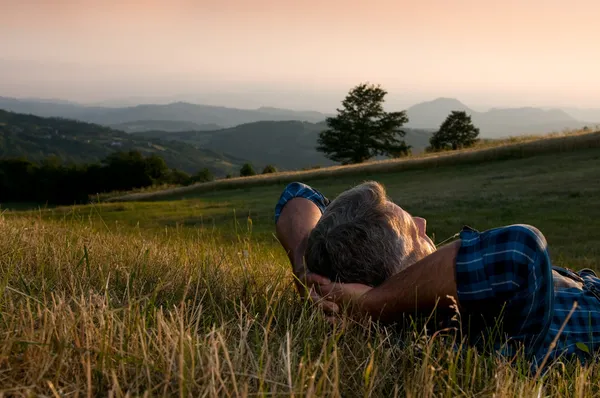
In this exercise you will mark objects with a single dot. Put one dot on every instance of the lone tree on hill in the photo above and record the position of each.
(269, 169)
(456, 132)
(247, 170)
(204, 175)
(362, 129)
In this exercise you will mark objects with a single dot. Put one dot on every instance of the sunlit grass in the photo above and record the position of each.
(88, 311)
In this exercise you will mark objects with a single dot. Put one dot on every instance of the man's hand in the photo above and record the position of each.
(314, 283)
(347, 295)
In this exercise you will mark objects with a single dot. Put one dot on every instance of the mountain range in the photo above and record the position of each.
(175, 112)
(497, 122)
(190, 137)
(182, 116)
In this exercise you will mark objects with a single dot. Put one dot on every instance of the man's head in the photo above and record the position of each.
(363, 237)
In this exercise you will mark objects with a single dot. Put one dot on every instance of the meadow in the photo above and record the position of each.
(191, 295)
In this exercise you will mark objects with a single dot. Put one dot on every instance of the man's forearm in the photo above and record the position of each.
(419, 287)
(297, 220)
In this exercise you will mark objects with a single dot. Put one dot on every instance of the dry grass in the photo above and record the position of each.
(106, 196)
(124, 312)
(515, 147)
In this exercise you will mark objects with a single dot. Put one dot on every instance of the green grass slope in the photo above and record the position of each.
(194, 296)
(558, 192)
(36, 138)
(486, 151)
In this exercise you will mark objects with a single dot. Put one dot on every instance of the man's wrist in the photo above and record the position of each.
(366, 304)
(297, 258)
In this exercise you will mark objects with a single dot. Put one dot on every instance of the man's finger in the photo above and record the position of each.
(328, 307)
(314, 295)
(316, 279)
(330, 290)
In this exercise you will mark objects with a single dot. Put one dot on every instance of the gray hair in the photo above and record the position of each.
(361, 239)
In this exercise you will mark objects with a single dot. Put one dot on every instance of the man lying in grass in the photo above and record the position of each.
(365, 252)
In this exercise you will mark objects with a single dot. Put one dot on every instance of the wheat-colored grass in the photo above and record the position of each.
(125, 312)
(515, 147)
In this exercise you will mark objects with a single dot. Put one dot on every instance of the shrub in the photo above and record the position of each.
(204, 175)
(178, 177)
(247, 170)
(269, 169)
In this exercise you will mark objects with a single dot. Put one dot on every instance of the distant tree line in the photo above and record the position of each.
(52, 182)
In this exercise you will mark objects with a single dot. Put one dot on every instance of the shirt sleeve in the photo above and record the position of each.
(504, 279)
(300, 190)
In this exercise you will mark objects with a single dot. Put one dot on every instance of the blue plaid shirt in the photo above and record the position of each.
(506, 274)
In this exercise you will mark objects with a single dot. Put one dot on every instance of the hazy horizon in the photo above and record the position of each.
(301, 55)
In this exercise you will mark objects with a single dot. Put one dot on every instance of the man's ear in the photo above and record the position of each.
(421, 224)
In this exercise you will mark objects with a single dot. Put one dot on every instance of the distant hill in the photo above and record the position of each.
(163, 125)
(289, 145)
(36, 138)
(178, 111)
(495, 123)
(431, 114)
(590, 115)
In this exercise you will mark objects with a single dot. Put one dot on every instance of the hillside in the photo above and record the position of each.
(590, 115)
(289, 145)
(178, 111)
(163, 125)
(526, 147)
(36, 138)
(495, 123)
(431, 114)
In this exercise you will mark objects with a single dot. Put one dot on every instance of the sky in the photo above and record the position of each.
(302, 54)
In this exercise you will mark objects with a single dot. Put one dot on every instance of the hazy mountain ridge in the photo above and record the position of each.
(163, 125)
(37, 138)
(496, 122)
(431, 114)
(590, 115)
(177, 111)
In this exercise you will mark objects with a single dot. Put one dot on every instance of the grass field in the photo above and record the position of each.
(193, 296)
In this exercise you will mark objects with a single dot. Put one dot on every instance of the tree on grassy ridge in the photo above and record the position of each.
(269, 169)
(362, 129)
(204, 175)
(178, 177)
(456, 132)
(247, 170)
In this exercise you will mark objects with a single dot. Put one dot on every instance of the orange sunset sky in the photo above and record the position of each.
(302, 54)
